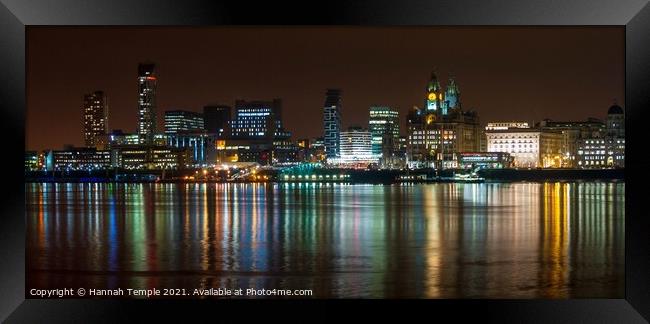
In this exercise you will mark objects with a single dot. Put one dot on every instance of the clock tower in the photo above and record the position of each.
(434, 95)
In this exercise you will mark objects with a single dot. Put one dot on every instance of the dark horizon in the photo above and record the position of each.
(504, 73)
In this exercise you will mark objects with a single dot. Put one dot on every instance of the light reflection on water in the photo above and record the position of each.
(492, 240)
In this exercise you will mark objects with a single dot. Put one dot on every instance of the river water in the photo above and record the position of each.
(446, 240)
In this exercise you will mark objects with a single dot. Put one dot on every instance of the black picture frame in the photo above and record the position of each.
(17, 15)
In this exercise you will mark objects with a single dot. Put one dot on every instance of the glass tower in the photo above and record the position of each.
(146, 102)
(332, 122)
(384, 127)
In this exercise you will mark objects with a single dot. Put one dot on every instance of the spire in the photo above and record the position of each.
(452, 88)
(452, 94)
(433, 84)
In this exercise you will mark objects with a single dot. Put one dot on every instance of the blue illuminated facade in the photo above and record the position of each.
(202, 147)
(439, 102)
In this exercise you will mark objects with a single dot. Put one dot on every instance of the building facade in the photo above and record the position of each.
(32, 161)
(530, 147)
(607, 151)
(573, 132)
(95, 118)
(183, 121)
(150, 157)
(256, 134)
(260, 120)
(147, 83)
(332, 123)
(599, 153)
(77, 159)
(439, 132)
(383, 125)
(356, 147)
(201, 146)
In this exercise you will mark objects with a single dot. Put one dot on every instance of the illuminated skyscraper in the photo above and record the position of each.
(146, 102)
(332, 122)
(95, 120)
(384, 127)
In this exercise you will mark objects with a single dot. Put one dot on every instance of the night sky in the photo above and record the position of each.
(503, 73)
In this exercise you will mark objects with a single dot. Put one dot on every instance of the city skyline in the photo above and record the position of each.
(120, 83)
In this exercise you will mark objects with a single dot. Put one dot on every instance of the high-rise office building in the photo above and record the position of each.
(147, 81)
(216, 119)
(258, 120)
(256, 134)
(332, 122)
(383, 124)
(183, 121)
(95, 118)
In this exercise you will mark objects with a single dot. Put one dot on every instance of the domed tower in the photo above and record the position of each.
(616, 121)
(433, 101)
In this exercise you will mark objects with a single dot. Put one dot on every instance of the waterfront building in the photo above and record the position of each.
(356, 148)
(183, 121)
(147, 83)
(258, 120)
(332, 123)
(530, 147)
(201, 146)
(485, 160)
(383, 125)
(32, 161)
(442, 130)
(285, 152)
(573, 132)
(598, 153)
(400, 155)
(257, 134)
(311, 150)
(216, 119)
(242, 150)
(117, 137)
(95, 118)
(606, 151)
(147, 157)
(77, 159)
